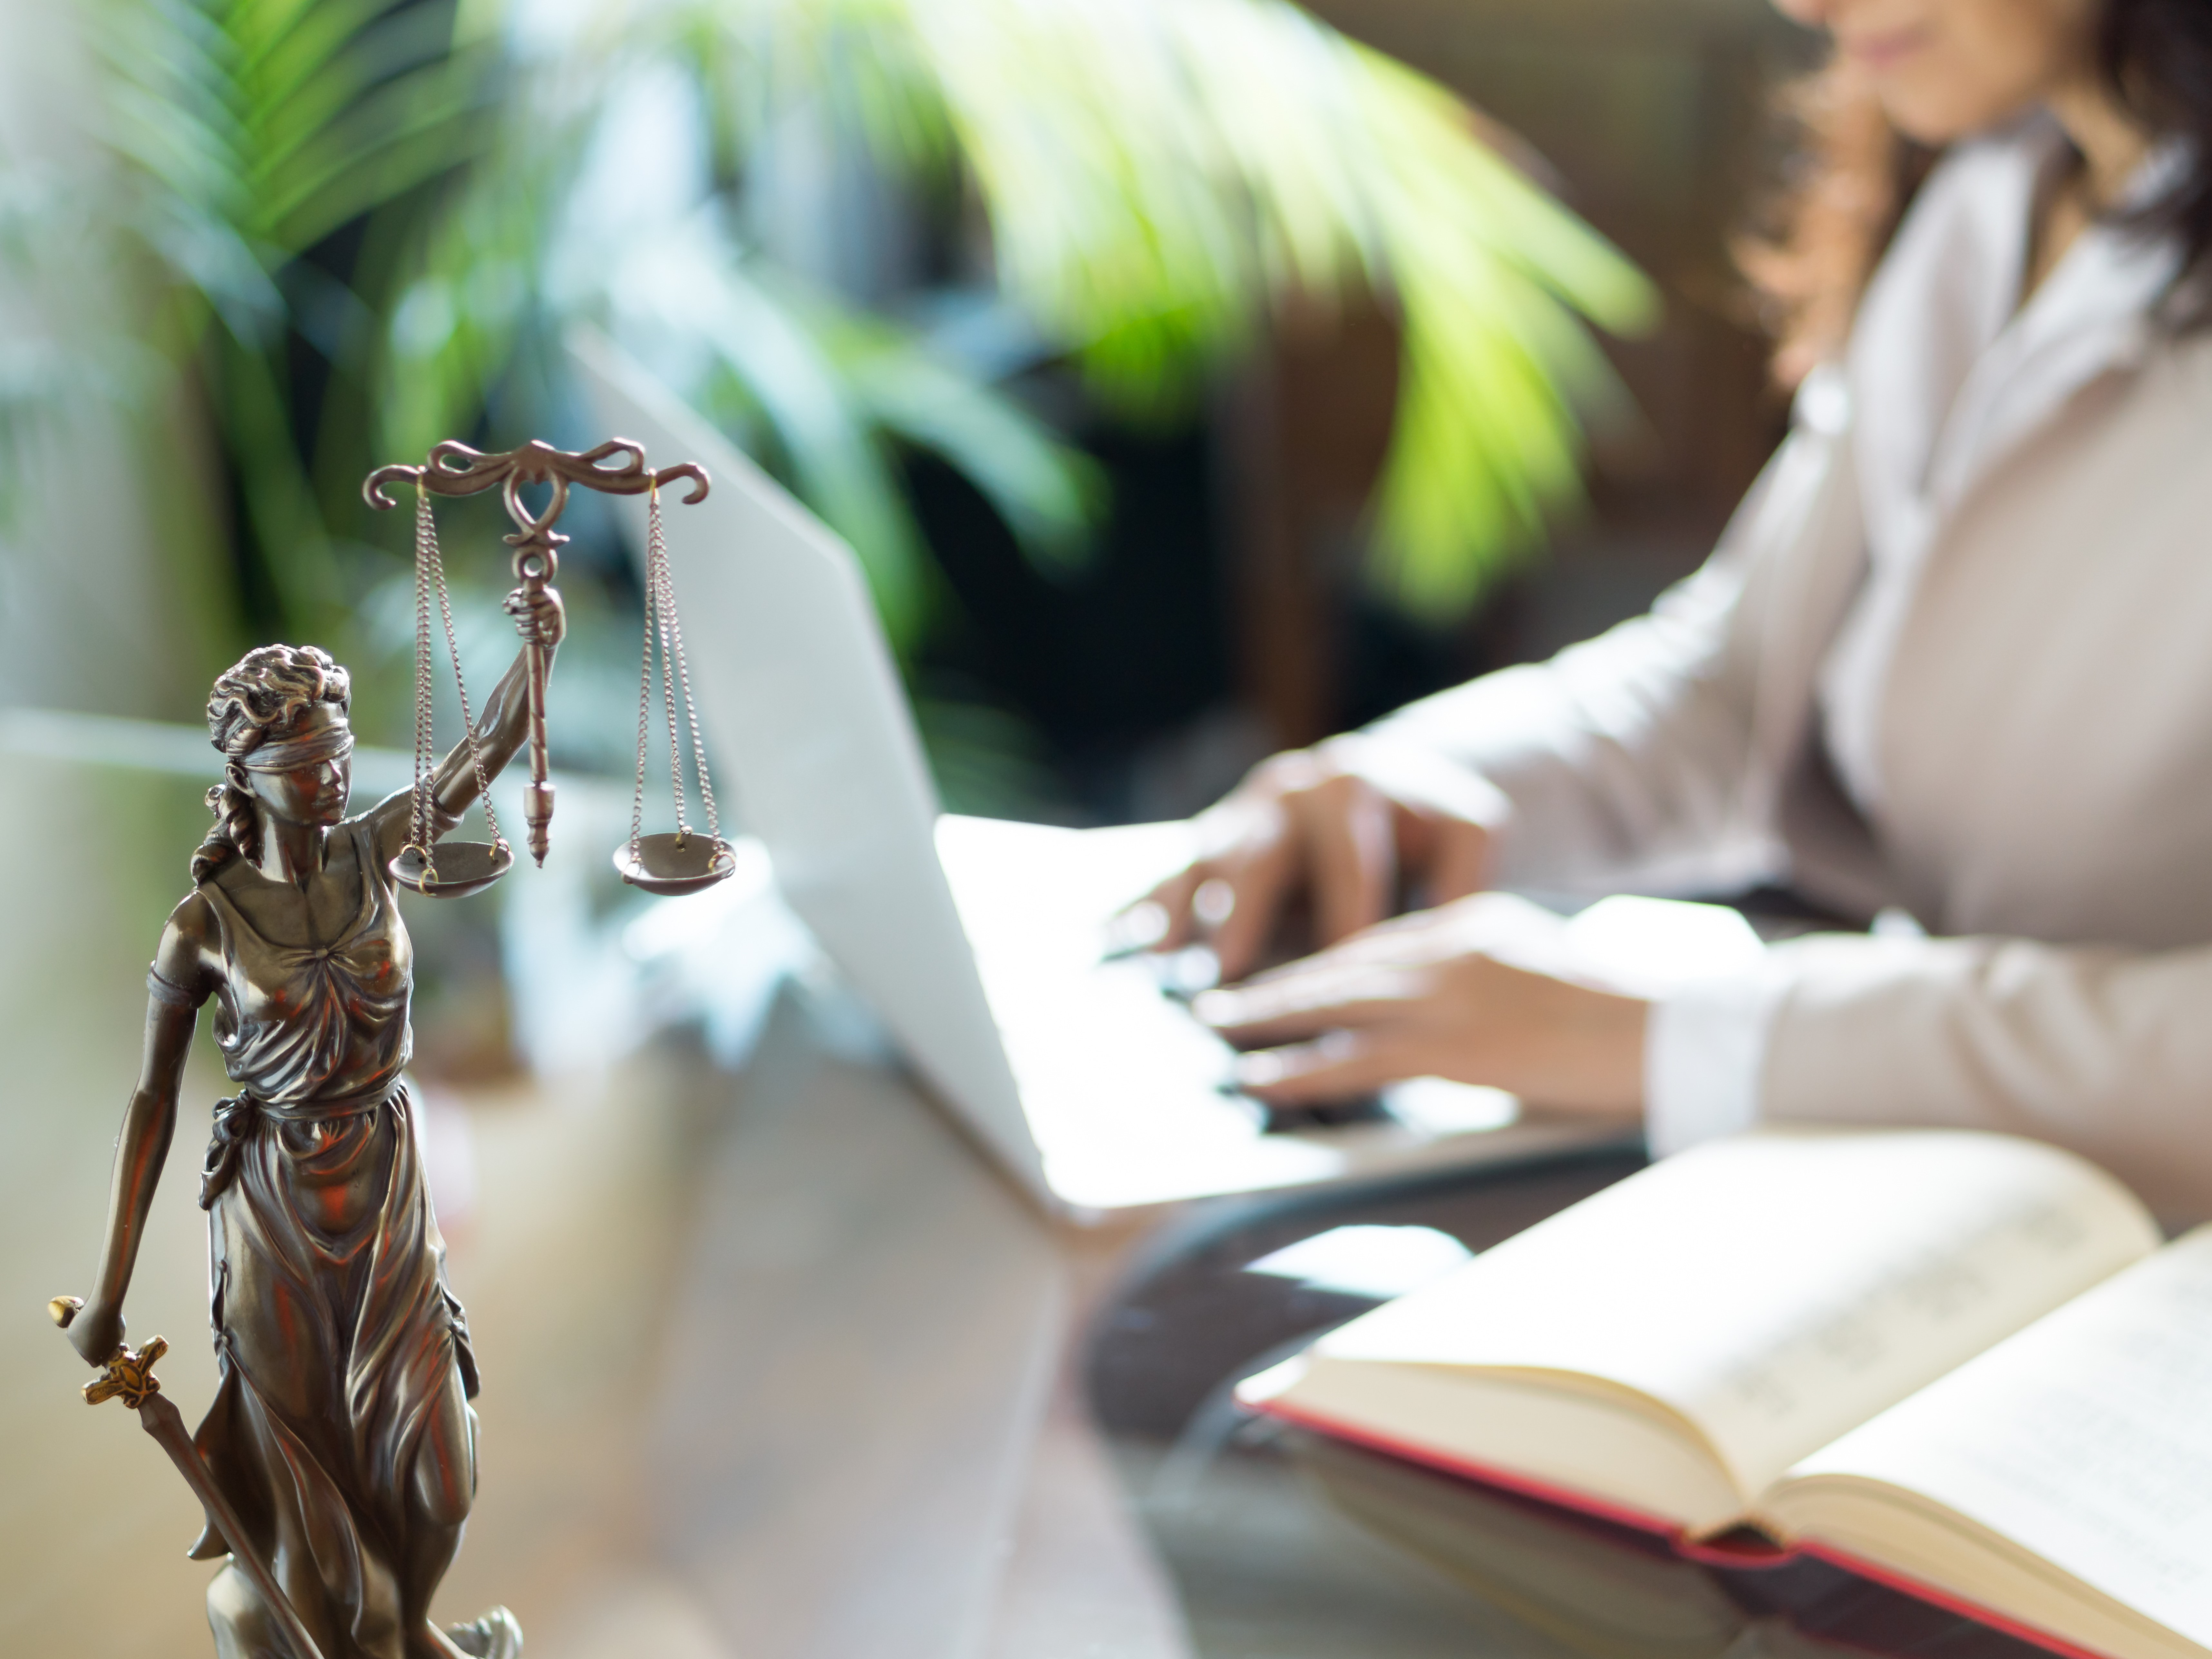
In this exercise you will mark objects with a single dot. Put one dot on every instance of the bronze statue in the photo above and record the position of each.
(341, 1436)
(337, 1464)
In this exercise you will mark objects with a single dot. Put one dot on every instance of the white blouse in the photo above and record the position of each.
(1946, 370)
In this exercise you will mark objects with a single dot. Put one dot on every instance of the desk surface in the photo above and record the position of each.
(772, 1365)
(1284, 1544)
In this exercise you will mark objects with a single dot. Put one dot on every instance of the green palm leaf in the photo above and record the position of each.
(1160, 174)
(822, 391)
(1161, 178)
(249, 130)
(823, 395)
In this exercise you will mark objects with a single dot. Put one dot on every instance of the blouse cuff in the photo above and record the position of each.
(1703, 1049)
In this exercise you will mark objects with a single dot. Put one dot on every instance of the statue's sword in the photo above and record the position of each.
(128, 1376)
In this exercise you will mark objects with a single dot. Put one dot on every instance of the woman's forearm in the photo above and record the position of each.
(2101, 1050)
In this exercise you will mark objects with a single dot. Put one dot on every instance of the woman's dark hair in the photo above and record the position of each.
(1857, 174)
(257, 699)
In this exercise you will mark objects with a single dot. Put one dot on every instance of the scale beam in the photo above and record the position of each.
(454, 469)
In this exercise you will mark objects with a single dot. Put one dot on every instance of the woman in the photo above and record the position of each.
(1952, 658)
(341, 1431)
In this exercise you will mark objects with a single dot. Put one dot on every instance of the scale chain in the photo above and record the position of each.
(431, 577)
(674, 626)
(425, 540)
(644, 685)
(657, 561)
(461, 686)
(665, 633)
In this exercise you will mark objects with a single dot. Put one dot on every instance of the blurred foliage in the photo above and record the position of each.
(38, 236)
(252, 134)
(355, 227)
(616, 194)
(1160, 174)
(1159, 178)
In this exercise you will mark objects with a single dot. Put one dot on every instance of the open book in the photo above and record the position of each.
(1959, 1363)
(1587, 1587)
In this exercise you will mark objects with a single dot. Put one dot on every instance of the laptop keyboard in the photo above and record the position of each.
(1181, 976)
(1122, 1035)
(1325, 1115)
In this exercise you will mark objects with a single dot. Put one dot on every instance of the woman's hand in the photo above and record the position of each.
(96, 1333)
(1480, 991)
(1343, 821)
(538, 616)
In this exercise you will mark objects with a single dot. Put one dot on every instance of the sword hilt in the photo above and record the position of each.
(128, 1376)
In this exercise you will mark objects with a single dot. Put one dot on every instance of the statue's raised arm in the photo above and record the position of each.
(500, 730)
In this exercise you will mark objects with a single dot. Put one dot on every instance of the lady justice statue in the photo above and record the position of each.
(337, 1463)
(341, 1433)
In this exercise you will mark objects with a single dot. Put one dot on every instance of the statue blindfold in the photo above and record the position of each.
(332, 743)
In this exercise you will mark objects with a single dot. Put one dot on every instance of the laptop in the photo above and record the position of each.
(987, 948)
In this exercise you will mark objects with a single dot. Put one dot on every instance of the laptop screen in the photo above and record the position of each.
(803, 714)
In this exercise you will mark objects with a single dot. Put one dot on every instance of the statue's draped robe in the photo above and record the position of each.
(336, 1336)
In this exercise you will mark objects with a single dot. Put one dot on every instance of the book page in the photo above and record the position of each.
(2087, 1438)
(1779, 1288)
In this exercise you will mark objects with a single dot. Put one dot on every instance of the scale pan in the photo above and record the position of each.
(463, 867)
(675, 863)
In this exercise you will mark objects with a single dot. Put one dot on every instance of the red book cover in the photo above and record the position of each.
(1737, 1551)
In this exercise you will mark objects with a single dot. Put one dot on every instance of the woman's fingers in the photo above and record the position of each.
(1459, 859)
(1491, 925)
(1339, 1024)
(1239, 915)
(1335, 837)
(1175, 925)
(1335, 1065)
(1228, 896)
(1350, 851)
(1293, 1005)
(1316, 820)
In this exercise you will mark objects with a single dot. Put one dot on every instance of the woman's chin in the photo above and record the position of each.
(1943, 118)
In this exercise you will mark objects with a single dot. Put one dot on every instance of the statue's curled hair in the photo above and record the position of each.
(259, 699)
